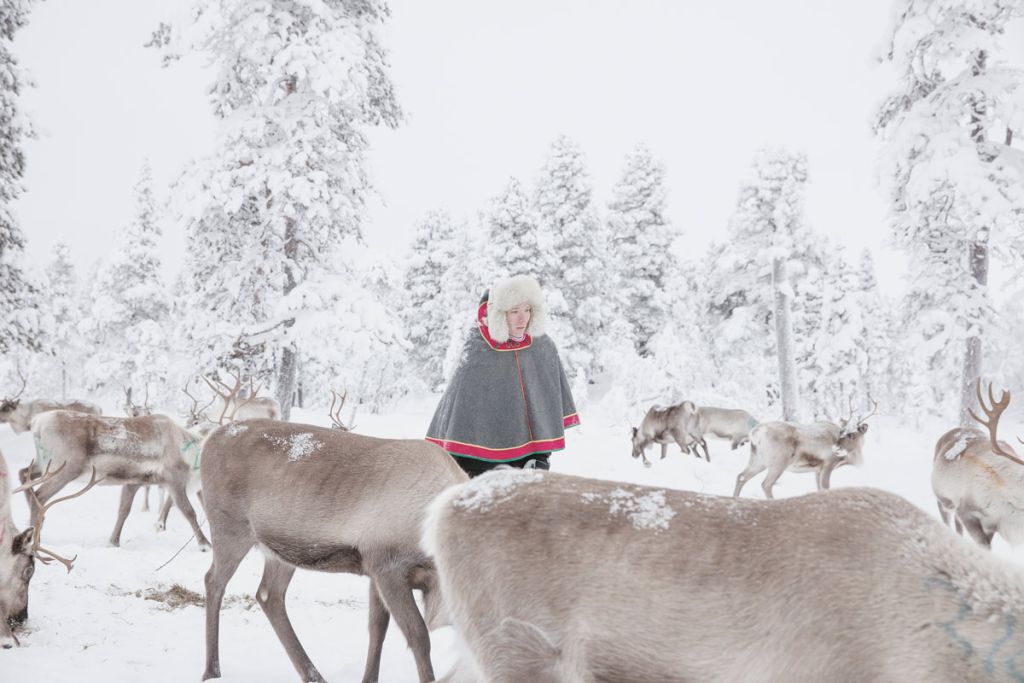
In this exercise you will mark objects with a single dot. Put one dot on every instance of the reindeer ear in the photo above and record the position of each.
(23, 541)
(863, 427)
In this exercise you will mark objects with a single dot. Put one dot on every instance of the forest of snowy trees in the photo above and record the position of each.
(774, 316)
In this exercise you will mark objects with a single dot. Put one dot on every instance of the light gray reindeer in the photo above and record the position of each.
(819, 447)
(125, 451)
(18, 554)
(732, 424)
(979, 480)
(328, 500)
(866, 587)
(663, 426)
(19, 413)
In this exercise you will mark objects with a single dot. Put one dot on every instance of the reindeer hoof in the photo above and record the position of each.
(158, 527)
(115, 543)
(647, 464)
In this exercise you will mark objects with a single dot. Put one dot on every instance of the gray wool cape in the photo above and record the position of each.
(506, 400)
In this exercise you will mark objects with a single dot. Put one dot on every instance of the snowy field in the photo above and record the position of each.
(99, 623)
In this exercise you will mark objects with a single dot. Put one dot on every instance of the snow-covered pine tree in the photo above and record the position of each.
(954, 181)
(578, 280)
(463, 285)
(280, 201)
(641, 239)
(513, 245)
(20, 329)
(127, 322)
(425, 309)
(768, 250)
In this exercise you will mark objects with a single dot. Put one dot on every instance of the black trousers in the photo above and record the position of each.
(475, 468)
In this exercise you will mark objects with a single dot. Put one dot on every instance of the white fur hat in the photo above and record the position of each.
(509, 293)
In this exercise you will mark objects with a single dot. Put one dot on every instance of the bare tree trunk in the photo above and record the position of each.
(784, 342)
(287, 369)
(973, 351)
(978, 264)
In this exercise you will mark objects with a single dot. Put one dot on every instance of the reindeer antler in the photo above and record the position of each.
(24, 383)
(335, 415)
(230, 395)
(993, 414)
(47, 556)
(197, 416)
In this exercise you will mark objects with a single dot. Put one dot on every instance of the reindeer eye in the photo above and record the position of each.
(28, 572)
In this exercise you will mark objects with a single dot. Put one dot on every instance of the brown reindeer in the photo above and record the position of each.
(125, 451)
(19, 413)
(550, 578)
(663, 426)
(18, 553)
(979, 480)
(328, 500)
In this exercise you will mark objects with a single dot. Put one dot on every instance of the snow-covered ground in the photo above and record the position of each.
(98, 624)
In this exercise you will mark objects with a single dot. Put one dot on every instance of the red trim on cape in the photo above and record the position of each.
(510, 345)
(570, 421)
(500, 454)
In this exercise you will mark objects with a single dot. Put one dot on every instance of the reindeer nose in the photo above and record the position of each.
(19, 618)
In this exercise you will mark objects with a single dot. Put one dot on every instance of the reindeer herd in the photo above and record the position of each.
(550, 577)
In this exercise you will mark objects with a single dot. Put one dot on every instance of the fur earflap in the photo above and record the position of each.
(509, 293)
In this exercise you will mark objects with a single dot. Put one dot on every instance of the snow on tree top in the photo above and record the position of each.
(649, 511)
(491, 488)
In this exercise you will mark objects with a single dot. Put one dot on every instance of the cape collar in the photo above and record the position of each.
(510, 345)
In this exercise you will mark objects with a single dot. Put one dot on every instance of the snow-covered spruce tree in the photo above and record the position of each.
(463, 286)
(435, 248)
(877, 344)
(768, 250)
(513, 244)
(127, 323)
(279, 203)
(62, 371)
(20, 326)
(578, 279)
(838, 350)
(953, 180)
(641, 239)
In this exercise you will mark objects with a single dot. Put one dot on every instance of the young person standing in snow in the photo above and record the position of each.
(509, 401)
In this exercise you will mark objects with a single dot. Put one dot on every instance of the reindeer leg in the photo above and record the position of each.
(975, 531)
(703, 444)
(180, 498)
(145, 499)
(770, 478)
(233, 543)
(379, 619)
(664, 450)
(825, 474)
(165, 509)
(396, 592)
(128, 492)
(276, 577)
(754, 468)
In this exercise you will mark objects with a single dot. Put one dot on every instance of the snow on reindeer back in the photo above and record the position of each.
(299, 446)
(648, 511)
(486, 491)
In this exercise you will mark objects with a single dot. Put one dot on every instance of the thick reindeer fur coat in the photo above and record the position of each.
(508, 399)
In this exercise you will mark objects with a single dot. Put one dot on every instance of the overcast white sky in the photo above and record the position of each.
(486, 87)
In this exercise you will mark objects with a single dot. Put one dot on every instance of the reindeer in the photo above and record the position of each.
(235, 403)
(725, 423)
(554, 578)
(663, 426)
(979, 480)
(328, 500)
(18, 554)
(126, 451)
(131, 409)
(19, 414)
(820, 447)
